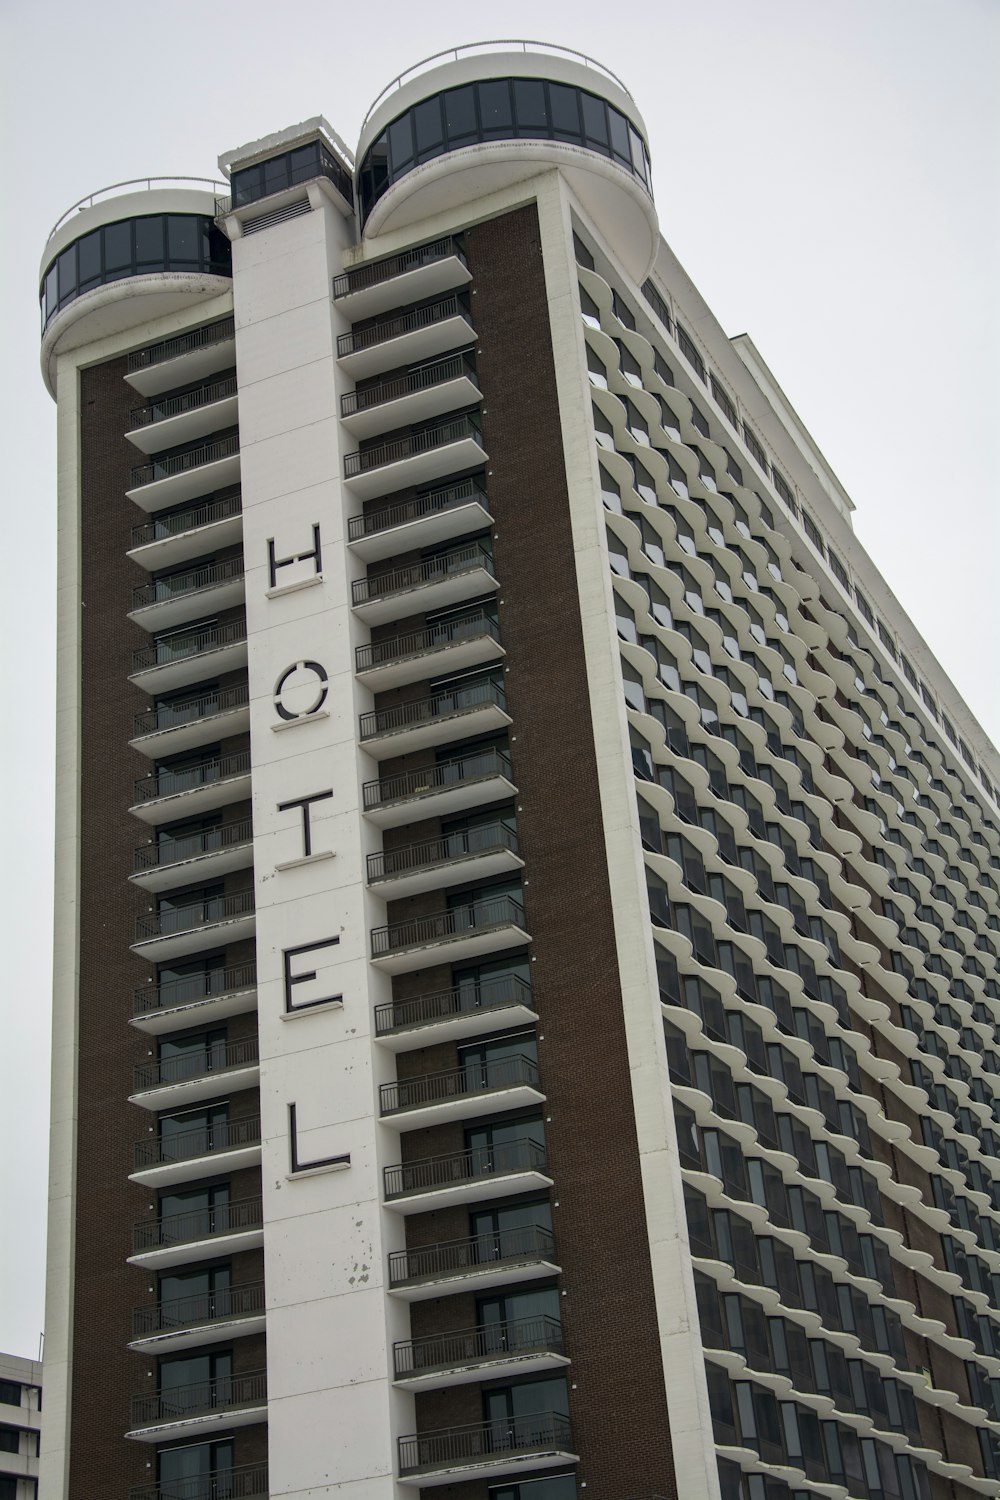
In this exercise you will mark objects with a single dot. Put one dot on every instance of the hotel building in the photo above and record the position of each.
(526, 1010)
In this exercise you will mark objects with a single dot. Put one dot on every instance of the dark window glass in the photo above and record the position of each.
(459, 114)
(183, 238)
(276, 174)
(149, 241)
(67, 274)
(51, 291)
(401, 142)
(619, 135)
(638, 153)
(494, 107)
(303, 163)
(529, 105)
(428, 129)
(90, 260)
(10, 1392)
(595, 121)
(565, 107)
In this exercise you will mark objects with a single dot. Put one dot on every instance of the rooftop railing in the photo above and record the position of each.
(449, 1447)
(362, 277)
(192, 988)
(200, 1399)
(151, 184)
(205, 1307)
(177, 585)
(466, 492)
(177, 711)
(220, 1057)
(444, 1005)
(169, 780)
(466, 699)
(459, 1167)
(384, 329)
(458, 1083)
(483, 838)
(425, 441)
(478, 917)
(228, 503)
(174, 406)
(181, 463)
(428, 376)
(464, 770)
(170, 920)
(451, 1257)
(445, 1351)
(244, 1215)
(188, 643)
(205, 1140)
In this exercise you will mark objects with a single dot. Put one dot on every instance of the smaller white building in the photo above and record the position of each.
(20, 1426)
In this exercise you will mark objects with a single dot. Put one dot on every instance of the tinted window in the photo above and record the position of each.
(529, 104)
(428, 129)
(619, 135)
(90, 260)
(460, 113)
(565, 107)
(595, 120)
(182, 237)
(148, 240)
(67, 273)
(401, 142)
(494, 106)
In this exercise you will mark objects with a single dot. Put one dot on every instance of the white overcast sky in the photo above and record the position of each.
(826, 170)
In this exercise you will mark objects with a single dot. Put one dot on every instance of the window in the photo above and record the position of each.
(690, 353)
(10, 1393)
(723, 401)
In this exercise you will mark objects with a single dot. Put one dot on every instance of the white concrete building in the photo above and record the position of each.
(20, 1426)
(527, 898)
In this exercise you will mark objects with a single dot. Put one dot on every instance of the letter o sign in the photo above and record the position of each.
(304, 685)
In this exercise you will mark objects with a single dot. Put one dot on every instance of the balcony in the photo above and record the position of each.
(406, 338)
(205, 1151)
(435, 583)
(182, 476)
(486, 1450)
(493, 925)
(248, 1482)
(181, 419)
(169, 540)
(182, 860)
(202, 1234)
(520, 1347)
(467, 854)
(419, 395)
(208, 1318)
(188, 723)
(200, 999)
(417, 458)
(171, 1082)
(505, 1258)
(452, 646)
(186, 791)
(234, 1401)
(425, 521)
(478, 708)
(498, 1171)
(182, 360)
(179, 660)
(437, 791)
(209, 922)
(478, 1088)
(165, 602)
(366, 291)
(465, 1011)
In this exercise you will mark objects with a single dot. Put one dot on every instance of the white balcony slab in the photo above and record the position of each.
(476, 1278)
(409, 348)
(176, 738)
(167, 676)
(218, 1331)
(423, 531)
(443, 729)
(455, 949)
(198, 1426)
(417, 285)
(202, 479)
(470, 1190)
(420, 468)
(194, 800)
(497, 1367)
(184, 369)
(465, 1107)
(182, 546)
(452, 870)
(202, 1012)
(494, 1466)
(193, 1169)
(466, 1023)
(171, 1096)
(200, 421)
(432, 661)
(441, 801)
(210, 1247)
(413, 407)
(195, 939)
(193, 605)
(207, 866)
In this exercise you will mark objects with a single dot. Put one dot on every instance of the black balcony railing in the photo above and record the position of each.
(472, 1080)
(191, 1312)
(467, 492)
(241, 1217)
(188, 643)
(206, 912)
(485, 1442)
(159, 1072)
(474, 695)
(200, 1399)
(445, 1351)
(485, 994)
(464, 770)
(204, 1140)
(192, 581)
(169, 780)
(220, 508)
(174, 406)
(479, 1252)
(414, 381)
(431, 570)
(402, 323)
(416, 642)
(458, 1167)
(177, 711)
(212, 984)
(477, 917)
(170, 850)
(180, 463)
(248, 1482)
(186, 343)
(425, 440)
(464, 843)
(363, 277)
